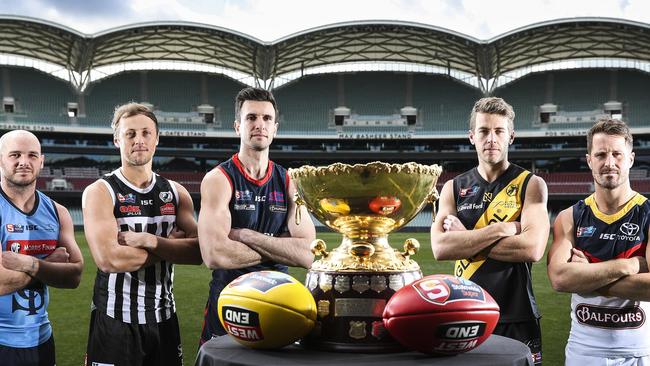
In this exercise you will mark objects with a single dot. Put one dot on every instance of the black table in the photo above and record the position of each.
(224, 350)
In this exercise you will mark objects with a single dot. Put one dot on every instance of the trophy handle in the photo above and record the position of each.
(411, 247)
(433, 197)
(299, 202)
(318, 247)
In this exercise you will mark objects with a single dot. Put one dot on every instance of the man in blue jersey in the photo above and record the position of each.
(599, 255)
(38, 250)
(247, 213)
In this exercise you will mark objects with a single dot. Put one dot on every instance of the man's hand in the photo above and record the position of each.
(19, 262)
(137, 240)
(452, 223)
(577, 256)
(59, 255)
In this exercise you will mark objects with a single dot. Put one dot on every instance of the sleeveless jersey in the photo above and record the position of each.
(23, 314)
(260, 205)
(144, 296)
(610, 326)
(478, 204)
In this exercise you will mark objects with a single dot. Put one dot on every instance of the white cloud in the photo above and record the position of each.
(270, 20)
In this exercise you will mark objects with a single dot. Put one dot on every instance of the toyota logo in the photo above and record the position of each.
(629, 229)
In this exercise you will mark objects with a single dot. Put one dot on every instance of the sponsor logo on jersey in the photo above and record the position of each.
(166, 197)
(469, 192)
(585, 231)
(469, 206)
(244, 207)
(168, 209)
(512, 190)
(614, 236)
(610, 317)
(33, 247)
(244, 195)
(275, 208)
(14, 228)
(242, 323)
(128, 198)
(130, 210)
(19, 228)
(276, 196)
(487, 197)
(629, 228)
(262, 281)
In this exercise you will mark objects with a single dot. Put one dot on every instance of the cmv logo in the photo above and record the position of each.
(629, 228)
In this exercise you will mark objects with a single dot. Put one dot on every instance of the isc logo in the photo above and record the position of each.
(461, 330)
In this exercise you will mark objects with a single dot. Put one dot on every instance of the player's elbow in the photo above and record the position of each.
(558, 282)
(440, 253)
(218, 261)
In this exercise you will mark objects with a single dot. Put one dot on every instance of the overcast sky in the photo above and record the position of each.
(270, 20)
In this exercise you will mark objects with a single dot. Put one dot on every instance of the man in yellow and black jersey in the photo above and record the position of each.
(493, 221)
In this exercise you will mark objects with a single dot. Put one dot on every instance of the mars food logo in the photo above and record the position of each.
(15, 247)
(128, 198)
(242, 323)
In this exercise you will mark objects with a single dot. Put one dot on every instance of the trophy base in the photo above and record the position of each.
(350, 305)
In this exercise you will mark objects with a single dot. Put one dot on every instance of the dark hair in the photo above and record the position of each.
(492, 105)
(609, 126)
(130, 110)
(256, 94)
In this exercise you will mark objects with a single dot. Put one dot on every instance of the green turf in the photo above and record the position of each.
(70, 309)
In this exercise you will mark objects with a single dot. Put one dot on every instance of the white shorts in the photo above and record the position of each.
(574, 359)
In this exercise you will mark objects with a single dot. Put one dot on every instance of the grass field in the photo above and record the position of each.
(70, 309)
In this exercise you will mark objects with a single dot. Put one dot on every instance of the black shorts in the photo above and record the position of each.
(114, 342)
(211, 325)
(41, 355)
(528, 333)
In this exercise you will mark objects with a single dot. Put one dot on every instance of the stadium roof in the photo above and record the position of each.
(402, 46)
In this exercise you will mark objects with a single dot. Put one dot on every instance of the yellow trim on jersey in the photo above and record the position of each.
(505, 206)
(637, 200)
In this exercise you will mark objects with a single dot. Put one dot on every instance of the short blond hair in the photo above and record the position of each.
(492, 105)
(130, 110)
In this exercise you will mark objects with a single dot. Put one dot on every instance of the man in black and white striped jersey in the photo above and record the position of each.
(132, 221)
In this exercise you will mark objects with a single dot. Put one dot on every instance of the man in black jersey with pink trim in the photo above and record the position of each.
(493, 221)
(247, 213)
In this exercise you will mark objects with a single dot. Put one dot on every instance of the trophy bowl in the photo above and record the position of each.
(352, 283)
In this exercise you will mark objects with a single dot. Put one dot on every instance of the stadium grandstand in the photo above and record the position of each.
(350, 92)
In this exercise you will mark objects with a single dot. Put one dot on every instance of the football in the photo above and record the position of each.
(266, 309)
(441, 314)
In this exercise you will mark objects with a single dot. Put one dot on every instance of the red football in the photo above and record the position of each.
(441, 314)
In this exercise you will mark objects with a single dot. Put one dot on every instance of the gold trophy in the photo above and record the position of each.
(352, 283)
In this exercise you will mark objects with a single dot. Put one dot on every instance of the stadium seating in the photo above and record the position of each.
(39, 98)
(306, 105)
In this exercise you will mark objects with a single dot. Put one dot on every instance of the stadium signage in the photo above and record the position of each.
(375, 136)
(183, 133)
(566, 133)
(16, 126)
